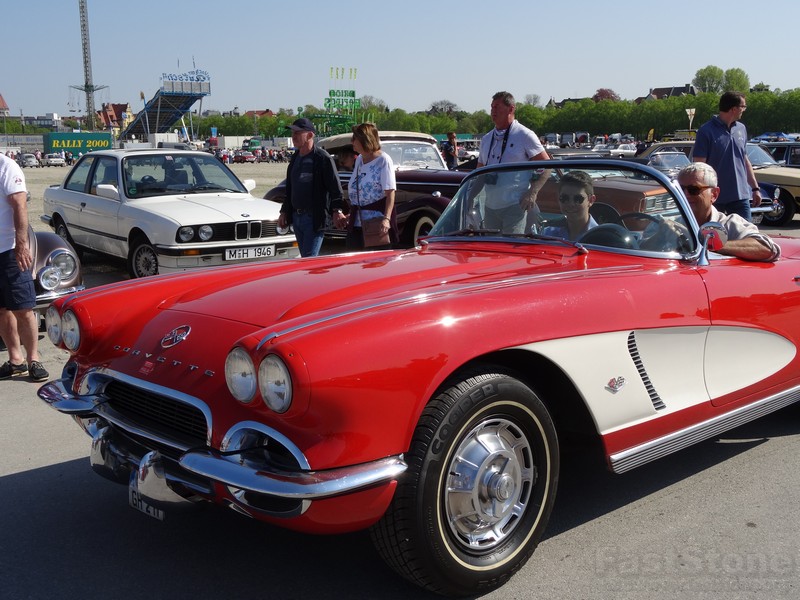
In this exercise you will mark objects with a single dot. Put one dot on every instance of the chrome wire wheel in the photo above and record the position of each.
(489, 483)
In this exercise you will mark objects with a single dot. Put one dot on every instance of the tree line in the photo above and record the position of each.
(766, 111)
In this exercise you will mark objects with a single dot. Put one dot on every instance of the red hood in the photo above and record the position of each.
(265, 295)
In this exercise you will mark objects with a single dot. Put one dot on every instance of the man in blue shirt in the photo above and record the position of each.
(722, 143)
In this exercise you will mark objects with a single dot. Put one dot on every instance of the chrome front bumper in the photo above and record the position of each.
(173, 476)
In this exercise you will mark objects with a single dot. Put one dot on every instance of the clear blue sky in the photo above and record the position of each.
(409, 53)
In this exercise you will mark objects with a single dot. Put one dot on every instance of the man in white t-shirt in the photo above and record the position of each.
(509, 199)
(18, 323)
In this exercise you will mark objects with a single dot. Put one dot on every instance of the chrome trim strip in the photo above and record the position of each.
(230, 443)
(57, 396)
(299, 485)
(430, 295)
(91, 400)
(657, 448)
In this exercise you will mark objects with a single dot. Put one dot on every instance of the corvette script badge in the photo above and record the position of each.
(176, 336)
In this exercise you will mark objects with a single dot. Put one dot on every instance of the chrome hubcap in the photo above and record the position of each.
(489, 484)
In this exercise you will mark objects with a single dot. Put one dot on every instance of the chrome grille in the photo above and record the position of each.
(166, 415)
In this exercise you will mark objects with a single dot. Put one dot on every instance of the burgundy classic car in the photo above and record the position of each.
(427, 393)
(424, 184)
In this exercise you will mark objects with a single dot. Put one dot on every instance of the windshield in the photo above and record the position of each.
(146, 175)
(619, 208)
(414, 155)
(669, 160)
(760, 157)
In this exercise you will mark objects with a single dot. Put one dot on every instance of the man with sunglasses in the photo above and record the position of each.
(575, 196)
(722, 143)
(699, 182)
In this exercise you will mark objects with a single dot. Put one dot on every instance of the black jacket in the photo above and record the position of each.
(327, 189)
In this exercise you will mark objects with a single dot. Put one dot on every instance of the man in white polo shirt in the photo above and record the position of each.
(509, 199)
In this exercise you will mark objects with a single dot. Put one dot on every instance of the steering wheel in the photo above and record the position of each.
(668, 237)
(148, 179)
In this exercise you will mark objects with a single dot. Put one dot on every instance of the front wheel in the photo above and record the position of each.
(482, 478)
(784, 212)
(142, 258)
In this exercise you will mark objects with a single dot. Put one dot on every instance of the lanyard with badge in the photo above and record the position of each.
(502, 148)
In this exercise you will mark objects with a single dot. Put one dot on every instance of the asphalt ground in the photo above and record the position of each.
(717, 520)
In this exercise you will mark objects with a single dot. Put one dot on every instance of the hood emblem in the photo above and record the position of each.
(246, 215)
(176, 336)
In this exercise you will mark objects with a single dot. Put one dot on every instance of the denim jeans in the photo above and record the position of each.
(308, 240)
(741, 208)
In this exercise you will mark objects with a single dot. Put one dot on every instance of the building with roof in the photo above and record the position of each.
(660, 93)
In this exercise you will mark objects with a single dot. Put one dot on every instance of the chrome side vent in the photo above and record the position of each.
(633, 350)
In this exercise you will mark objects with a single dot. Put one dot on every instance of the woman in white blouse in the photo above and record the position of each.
(372, 188)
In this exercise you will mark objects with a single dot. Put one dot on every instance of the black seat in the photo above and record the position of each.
(604, 213)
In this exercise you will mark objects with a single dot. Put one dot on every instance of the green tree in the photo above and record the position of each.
(736, 80)
(709, 79)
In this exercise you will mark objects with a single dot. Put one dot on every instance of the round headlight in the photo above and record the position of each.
(240, 374)
(66, 263)
(52, 321)
(206, 232)
(49, 278)
(71, 331)
(284, 230)
(186, 234)
(275, 383)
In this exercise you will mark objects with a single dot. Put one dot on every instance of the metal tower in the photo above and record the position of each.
(88, 87)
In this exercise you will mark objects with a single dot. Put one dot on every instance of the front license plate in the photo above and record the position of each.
(250, 253)
(136, 500)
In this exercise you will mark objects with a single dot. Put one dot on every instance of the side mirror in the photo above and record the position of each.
(106, 190)
(714, 237)
(249, 184)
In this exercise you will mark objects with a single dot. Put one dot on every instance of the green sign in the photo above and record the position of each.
(76, 143)
(342, 103)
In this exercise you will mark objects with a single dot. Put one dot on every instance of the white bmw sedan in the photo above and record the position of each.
(164, 211)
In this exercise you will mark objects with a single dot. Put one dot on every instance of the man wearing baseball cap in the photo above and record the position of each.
(313, 190)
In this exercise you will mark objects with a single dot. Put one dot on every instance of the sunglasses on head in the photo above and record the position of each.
(576, 198)
(695, 190)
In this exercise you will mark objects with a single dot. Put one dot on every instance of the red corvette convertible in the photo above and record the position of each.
(425, 393)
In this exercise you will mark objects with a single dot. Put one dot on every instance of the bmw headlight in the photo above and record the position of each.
(186, 234)
(65, 263)
(275, 383)
(52, 321)
(240, 375)
(49, 278)
(206, 232)
(70, 331)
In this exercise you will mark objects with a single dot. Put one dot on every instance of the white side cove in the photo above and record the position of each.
(736, 358)
(629, 377)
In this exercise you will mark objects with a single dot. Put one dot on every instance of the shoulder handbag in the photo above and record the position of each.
(373, 234)
(371, 229)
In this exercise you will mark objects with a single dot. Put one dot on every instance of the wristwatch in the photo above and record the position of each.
(755, 189)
